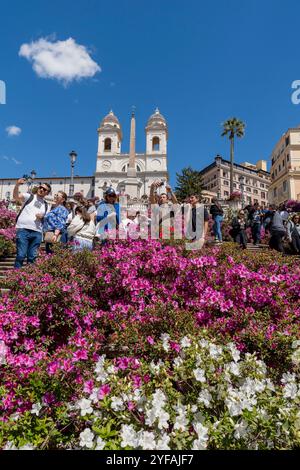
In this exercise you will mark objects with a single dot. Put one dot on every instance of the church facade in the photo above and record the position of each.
(128, 173)
(131, 173)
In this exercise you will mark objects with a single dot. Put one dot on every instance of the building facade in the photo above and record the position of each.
(252, 181)
(128, 173)
(285, 168)
(131, 173)
(82, 184)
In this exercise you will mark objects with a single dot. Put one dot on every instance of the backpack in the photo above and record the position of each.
(29, 200)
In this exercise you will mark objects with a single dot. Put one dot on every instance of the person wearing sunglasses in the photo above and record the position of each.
(29, 222)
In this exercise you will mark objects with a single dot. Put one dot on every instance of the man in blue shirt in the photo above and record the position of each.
(108, 211)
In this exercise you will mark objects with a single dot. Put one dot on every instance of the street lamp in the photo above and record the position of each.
(73, 156)
(241, 180)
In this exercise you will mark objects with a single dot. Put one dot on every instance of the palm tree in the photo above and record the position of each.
(233, 127)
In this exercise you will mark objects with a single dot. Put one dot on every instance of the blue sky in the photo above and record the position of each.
(199, 62)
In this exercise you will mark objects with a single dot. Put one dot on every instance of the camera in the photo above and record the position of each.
(161, 183)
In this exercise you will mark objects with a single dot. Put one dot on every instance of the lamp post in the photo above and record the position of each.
(241, 180)
(73, 156)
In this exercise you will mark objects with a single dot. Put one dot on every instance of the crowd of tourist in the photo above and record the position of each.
(80, 222)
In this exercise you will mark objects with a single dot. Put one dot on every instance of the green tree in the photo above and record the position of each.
(188, 182)
(232, 128)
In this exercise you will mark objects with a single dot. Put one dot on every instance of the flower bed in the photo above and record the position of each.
(7, 230)
(179, 330)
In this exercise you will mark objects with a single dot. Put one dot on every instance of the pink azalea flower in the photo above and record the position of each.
(103, 391)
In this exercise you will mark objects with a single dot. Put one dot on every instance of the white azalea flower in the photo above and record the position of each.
(94, 395)
(234, 369)
(234, 352)
(240, 430)
(199, 375)
(181, 421)
(288, 377)
(163, 420)
(36, 408)
(111, 370)
(85, 406)
(163, 442)
(201, 442)
(129, 436)
(117, 404)
(185, 342)
(86, 438)
(203, 343)
(296, 357)
(177, 362)
(290, 390)
(215, 351)
(205, 397)
(147, 440)
(296, 344)
(100, 443)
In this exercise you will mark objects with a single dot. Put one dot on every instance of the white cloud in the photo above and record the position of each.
(17, 162)
(13, 131)
(61, 60)
(11, 159)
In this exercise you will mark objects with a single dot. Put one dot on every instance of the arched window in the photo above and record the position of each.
(155, 143)
(125, 168)
(107, 145)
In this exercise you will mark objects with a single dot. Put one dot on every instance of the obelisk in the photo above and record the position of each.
(131, 183)
(131, 172)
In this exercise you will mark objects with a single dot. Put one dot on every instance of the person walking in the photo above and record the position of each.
(277, 230)
(256, 220)
(55, 221)
(29, 222)
(218, 216)
(239, 225)
(293, 233)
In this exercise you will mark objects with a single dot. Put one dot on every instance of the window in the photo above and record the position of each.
(283, 163)
(255, 200)
(262, 185)
(155, 143)
(255, 191)
(225, 174)
(107, 145)
(279, 168)
(125, 168)
(226, 183)
(288, 157)
(82, 182)
(275, 192)
(263, 195)
(60, 182)
(226, 193)
(234, 185)
(248, 190)
(284, 186)
(249, 199)
(287, 141)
